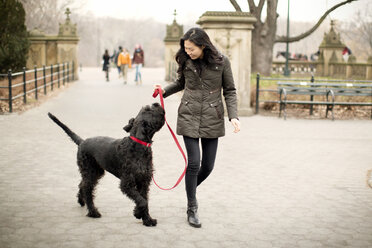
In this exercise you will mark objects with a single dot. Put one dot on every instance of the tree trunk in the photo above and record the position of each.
(263, 37)
(262, 51)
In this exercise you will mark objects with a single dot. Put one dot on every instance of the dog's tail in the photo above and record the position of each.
(70, 133)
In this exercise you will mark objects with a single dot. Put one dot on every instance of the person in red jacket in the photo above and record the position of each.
(139, 61)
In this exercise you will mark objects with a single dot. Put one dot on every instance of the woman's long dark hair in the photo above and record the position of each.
(200, 38)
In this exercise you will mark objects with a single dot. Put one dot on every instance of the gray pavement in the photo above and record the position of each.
(294, 183)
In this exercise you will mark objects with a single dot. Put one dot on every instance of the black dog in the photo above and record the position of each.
(129, 159)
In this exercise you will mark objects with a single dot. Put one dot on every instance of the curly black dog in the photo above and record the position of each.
(129, 159)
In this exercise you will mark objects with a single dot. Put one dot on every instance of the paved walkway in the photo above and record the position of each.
(294, 183)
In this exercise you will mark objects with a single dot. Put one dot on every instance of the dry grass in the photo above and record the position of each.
(18, 105)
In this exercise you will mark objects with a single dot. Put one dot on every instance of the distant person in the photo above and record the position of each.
(106, 64)
(124, 62)
(116, 55)
(139, 61)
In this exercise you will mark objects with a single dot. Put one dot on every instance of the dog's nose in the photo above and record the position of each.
(156, 104)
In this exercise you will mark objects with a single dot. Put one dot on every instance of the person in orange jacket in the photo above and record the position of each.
(124, 62)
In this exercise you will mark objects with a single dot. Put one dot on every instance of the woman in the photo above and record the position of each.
(106, 64)
(138, 60)
(202, 73)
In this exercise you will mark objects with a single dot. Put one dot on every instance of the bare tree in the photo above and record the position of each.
(100, 33)
(264, 33)
(45, 15)
(364, 23)
(357, 33)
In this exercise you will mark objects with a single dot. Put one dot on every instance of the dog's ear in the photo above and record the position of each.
(128, 127)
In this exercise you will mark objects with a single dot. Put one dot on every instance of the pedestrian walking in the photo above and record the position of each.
(116, 56)
(106, 64)
(124, 62)
(139, 61)
(203, 75)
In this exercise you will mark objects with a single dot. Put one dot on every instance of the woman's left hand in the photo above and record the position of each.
(236, 124)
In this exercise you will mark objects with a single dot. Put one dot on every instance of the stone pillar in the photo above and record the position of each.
(53, 49)
(66, 47)
(37, 51)
(231, 33)
(369, 68)
(349, 67)
(172, 45)
(331, 63)
(330, 47)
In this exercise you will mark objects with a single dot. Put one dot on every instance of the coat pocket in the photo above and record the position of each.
(184, 107)
(218, 108)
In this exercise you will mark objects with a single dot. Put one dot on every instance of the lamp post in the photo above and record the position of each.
(287, 72)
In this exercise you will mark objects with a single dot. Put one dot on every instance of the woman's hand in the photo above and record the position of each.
(236, 124)
(158, 86)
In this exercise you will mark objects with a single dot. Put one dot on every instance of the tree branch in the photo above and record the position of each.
(283, 39)
(260, 6)
(252, 6)
(256, 9)
(236, 5)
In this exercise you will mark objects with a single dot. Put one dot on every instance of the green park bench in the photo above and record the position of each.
(334, 94)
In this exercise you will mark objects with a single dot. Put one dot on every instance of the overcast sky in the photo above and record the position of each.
(190, 10)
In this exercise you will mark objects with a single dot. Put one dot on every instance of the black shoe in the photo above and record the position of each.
(192, 215)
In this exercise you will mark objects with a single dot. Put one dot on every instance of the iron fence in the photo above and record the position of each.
(26, 82)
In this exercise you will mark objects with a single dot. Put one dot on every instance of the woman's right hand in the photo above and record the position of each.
(158, 86)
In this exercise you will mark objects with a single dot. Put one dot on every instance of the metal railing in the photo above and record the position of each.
(21, 84)
(311, 79)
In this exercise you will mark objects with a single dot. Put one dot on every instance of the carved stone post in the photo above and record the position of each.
(67, 43)
(349, 67)
(37, 53)
(330, 48)
(53, 49)
(332, 61)
(231, 33)
(172, 44)
(369, 68)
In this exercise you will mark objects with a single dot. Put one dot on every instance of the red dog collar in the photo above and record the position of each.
(140, 141)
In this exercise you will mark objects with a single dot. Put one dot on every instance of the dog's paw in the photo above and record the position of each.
(94, 214)
(150, 222)
(81, 202)
(137, 213)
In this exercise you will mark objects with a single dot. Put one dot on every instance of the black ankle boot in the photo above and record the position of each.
(192, 214)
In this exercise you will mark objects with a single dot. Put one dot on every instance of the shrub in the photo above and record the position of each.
(14, 41)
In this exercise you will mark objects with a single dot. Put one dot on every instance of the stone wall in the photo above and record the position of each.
(53, 49)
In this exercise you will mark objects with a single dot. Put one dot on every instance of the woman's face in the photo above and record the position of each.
(193, 50)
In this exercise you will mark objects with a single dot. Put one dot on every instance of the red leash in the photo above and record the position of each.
(160, 93)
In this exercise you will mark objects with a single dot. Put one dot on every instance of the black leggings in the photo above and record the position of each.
(196, 174)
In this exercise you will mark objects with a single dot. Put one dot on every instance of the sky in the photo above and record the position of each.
(190, 10)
